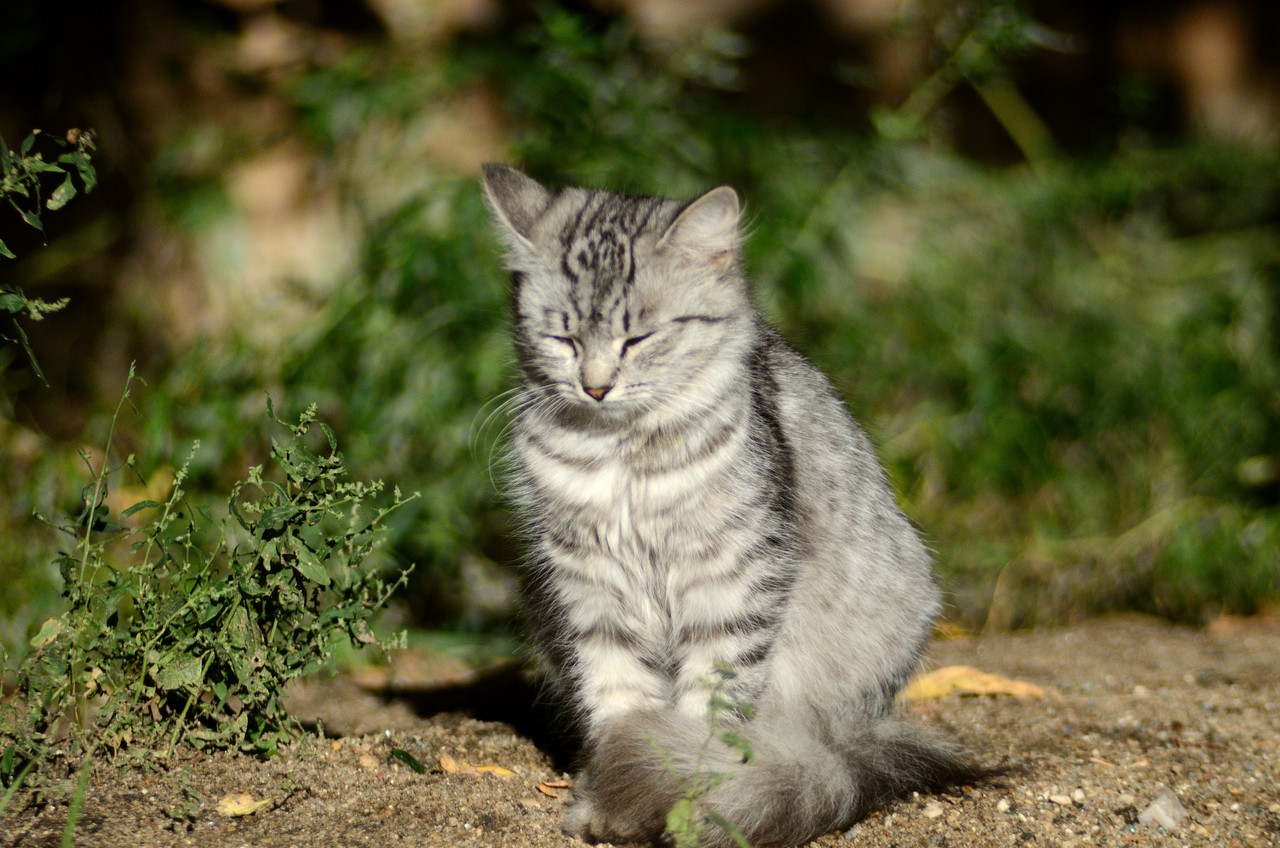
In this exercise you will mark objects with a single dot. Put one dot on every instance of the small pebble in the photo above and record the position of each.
(1078, 796)
(1061, 800)
(932, 810)
(1002, 806)
(1165, 811)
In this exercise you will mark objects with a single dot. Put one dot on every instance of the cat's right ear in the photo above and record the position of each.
(517, 201)
(708, 226)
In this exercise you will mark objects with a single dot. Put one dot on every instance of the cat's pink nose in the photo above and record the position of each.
(597, 392)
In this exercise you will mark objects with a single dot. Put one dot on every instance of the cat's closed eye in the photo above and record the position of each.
(568, 342)
(630, 343)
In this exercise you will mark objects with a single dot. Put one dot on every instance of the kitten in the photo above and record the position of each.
(698, 498)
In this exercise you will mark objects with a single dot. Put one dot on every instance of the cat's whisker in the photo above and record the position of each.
(500, 407)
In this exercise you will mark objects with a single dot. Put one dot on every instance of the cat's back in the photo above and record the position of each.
(866, 600)
(831, 452)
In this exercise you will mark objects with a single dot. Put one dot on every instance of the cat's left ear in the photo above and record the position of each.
(708, 226)
(517, 201)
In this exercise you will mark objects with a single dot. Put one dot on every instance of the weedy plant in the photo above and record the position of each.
(187, 627)
(21, 174)
(691, 815)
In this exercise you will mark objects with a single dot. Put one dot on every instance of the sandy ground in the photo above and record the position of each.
(1136, 710)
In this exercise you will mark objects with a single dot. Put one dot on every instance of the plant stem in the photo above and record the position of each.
(77, 801)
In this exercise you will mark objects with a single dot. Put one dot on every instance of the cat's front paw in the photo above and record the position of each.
(611, 818)
(578, 818)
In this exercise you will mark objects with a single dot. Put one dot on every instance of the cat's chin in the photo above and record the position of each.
(604, 413)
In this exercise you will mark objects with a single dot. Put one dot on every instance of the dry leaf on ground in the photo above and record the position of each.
(967, 680)
(239, 804)
(553, 788)
(449, 765)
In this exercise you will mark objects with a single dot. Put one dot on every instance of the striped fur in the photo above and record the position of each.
(698, 498)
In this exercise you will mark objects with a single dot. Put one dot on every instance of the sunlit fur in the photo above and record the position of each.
(697, 498)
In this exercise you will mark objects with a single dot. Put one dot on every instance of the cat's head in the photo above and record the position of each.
(623, 305)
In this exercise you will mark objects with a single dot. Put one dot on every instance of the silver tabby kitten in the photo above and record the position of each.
(698, 498)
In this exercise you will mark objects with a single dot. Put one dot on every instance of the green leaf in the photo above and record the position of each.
(683, 824)
(309, 566)
(409, 760)
(40, 166)
(278, 515)
(82, 164)
(739, 743)
(54, 666)
(6, 252)
(66, 567)
(234, 508)
(180, 672)
(140, 505)
(268, 553)
(32, 218)
(240, 634)
(48, 632)
(328, 432)
(62, 194)
(27, 143)
(338, 614)
(209, 613)
(88, 174)
(31, 354)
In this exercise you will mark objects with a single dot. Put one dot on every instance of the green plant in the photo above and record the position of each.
(186, 629)
(21, 173)
(691, 815)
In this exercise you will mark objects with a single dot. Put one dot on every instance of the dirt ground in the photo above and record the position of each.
(1136, 711)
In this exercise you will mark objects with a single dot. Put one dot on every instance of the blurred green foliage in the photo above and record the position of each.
(1071, 369)
(1074, 375)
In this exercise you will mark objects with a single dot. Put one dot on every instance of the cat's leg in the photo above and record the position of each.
(619, 684)
(614, 666)
(642, 758)
(606, 804)
(727, 614)
(598, 629)
(629, 783)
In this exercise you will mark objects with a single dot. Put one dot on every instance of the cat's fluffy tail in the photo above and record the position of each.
(804, 778)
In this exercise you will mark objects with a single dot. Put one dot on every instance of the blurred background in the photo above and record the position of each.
(1036, 245)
